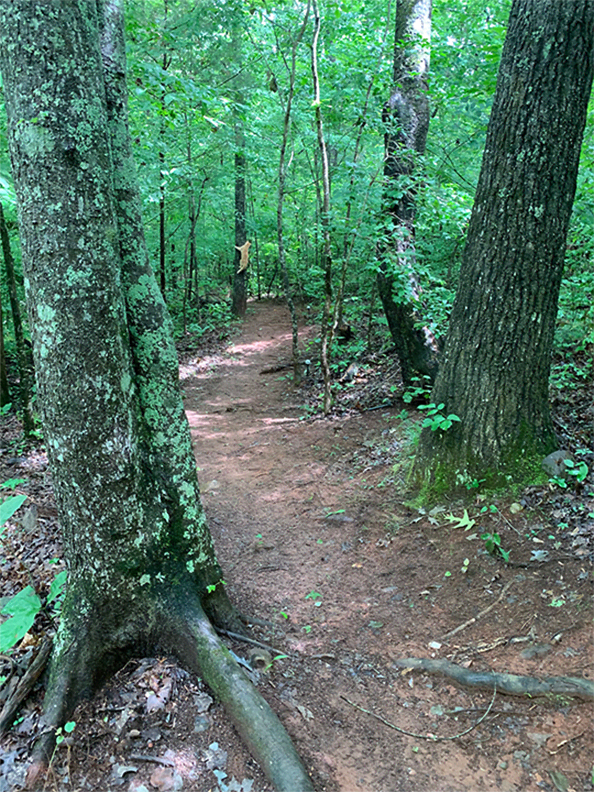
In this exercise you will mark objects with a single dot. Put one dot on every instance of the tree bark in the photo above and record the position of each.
(406, 122)
(239, 290)
(239, 295)
(326, 259)
(19, 337)
(282, 257)
(495, 371)
(141, 563)
(4, 388)
(162, 217)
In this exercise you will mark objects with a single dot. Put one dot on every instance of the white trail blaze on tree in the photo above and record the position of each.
(142, 569)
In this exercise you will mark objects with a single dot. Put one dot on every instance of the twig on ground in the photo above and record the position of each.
(431, 737)
(157, 760)
(240, 637)
(474, 619)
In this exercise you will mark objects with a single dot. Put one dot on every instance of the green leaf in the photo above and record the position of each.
(57, 586)
(12, 483)
(23, 608)
(559, 780)
(9, 506)
(465, 521)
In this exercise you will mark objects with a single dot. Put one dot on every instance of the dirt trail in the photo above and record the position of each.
(312, 533)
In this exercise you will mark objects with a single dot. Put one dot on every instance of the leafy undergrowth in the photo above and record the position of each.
(313, 530)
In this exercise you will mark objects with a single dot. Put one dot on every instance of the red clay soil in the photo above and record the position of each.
(314, 534)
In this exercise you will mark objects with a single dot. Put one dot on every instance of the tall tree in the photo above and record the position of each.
(165, 63)
(239, 290)
(406, 122)
(282, 253)
(495, 372)
(4, 387)
(141, 564)
(23, 362)
(240, 272)
(326, 259)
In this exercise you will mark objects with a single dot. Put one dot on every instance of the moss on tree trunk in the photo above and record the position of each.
(495, 370)
(135, 536)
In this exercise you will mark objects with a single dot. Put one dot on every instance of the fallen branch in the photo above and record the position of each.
(511, 684)
(429, 736)
(156, 759)
(30, 677)
(246, 639)
(275, 369)
(479, 615)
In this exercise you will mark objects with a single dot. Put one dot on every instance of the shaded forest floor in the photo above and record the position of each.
(314, 534)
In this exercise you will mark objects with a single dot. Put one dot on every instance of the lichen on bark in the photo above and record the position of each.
(135, 536)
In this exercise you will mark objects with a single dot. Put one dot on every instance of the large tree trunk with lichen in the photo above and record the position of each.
(406, 123)
(495, 372)
(141, 564)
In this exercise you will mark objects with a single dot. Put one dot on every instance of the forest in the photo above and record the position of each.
(296, 395)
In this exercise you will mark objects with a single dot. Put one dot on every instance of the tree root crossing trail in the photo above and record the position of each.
(314, 535)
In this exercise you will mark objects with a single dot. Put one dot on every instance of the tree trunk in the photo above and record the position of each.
(282, 257)
(162, 218)
(406, 123)
(239, 295)
(19, 338)
(4, 389)
(239, 290)
(142, 568)
(495, 371)
(326, 340)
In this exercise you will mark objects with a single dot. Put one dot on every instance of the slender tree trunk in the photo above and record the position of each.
(4, 389)
(350, 234)
(15, 309)
(282, 257)
(496, 366)
(162, 217)
(239, 295)
(142, 568)
(326, 340)
(162, 221)
(240, 273)
(256, 242)
(406, 122)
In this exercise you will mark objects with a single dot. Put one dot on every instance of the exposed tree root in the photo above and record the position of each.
(511, 684)
(199, 648)
(83, 659)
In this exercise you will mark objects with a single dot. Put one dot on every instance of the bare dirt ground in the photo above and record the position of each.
(314, 534)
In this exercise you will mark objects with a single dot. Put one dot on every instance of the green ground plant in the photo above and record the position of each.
(25, 605)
